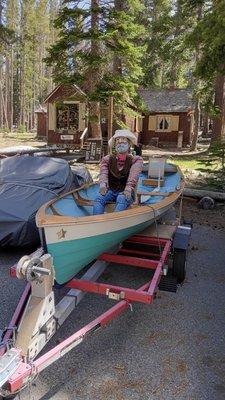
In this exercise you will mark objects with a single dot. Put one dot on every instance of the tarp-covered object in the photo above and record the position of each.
(25, 184)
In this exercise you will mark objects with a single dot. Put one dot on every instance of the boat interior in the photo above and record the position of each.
(157, 181)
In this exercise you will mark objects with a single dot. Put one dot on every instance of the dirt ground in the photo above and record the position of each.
(213, 218)
(30, 139)
(11, 139)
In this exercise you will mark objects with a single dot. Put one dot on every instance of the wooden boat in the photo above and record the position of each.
(74, 237)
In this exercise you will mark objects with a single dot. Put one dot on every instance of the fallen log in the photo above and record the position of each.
(199, 194)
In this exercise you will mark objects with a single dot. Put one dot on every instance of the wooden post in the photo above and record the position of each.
(110, 118)
(180, 140)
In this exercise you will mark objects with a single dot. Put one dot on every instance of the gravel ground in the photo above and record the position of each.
(172, 349)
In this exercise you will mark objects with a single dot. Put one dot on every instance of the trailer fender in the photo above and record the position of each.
(181, 238)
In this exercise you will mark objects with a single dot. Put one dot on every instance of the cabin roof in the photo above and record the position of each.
(76, 89)
(167, 100)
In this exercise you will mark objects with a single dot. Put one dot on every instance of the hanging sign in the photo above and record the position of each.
(93, 151)
(66, 137)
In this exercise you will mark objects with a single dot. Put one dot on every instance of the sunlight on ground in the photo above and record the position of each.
(195, 164)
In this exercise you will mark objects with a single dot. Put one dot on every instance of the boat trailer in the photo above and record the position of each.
(161, 249)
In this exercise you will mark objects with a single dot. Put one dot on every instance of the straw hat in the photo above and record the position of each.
(122, 133)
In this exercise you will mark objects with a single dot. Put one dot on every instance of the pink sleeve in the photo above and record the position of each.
(136, 168)
(104, 171)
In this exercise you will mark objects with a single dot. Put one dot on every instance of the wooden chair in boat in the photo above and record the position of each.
(156, 171)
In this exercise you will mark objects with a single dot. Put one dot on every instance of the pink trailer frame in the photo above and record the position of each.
(125, 297)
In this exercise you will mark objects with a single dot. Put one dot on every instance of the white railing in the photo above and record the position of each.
(83, 136)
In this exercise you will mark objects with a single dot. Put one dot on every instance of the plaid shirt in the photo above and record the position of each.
(135, 170)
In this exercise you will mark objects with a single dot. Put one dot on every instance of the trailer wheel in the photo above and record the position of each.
(179, 265)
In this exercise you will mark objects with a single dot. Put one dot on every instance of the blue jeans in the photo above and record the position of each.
(111, 196)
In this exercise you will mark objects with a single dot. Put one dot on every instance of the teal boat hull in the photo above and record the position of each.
(69, 257)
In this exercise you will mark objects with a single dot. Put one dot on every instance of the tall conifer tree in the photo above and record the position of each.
(91, 38)
(210, 66)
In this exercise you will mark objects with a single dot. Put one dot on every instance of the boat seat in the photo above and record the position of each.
(150, 194)
(156, 171)
(110, 206)
(54, 211)
(86, 202)
(81, 201)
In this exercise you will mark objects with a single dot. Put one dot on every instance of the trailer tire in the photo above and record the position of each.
(179, 264)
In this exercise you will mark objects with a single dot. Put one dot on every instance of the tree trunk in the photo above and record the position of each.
(94, 119)
(22, 69)
(110, 117)
(196, 125)
(117, 63)
(1, 105)
(11, 87)
(1, 74)
(94, 75)
(199, 194)
(175, 60)
(7, 89)
(197, 105)
(5, 119)
(205, 125)
(218, 132)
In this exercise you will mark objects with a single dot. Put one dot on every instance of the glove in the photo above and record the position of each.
(103, 190)
(127, 194)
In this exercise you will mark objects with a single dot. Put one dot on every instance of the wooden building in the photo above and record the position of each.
(169, 117)
(67, 124)
(66, 116)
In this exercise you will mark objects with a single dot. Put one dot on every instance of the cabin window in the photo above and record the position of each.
(67, 117)
(163, 123)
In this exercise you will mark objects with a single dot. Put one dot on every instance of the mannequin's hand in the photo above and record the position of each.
(103, 190)
(127, 194)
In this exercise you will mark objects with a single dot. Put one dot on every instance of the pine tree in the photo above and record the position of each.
(157, 20)
(167, 59)
(124, 39)
(6, 40)
(210, 67)
(26, 31)
(90, 40)
(12, 13)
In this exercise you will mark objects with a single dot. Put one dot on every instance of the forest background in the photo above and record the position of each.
(111, 48)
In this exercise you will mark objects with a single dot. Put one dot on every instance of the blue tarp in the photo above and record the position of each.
(26, 183)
